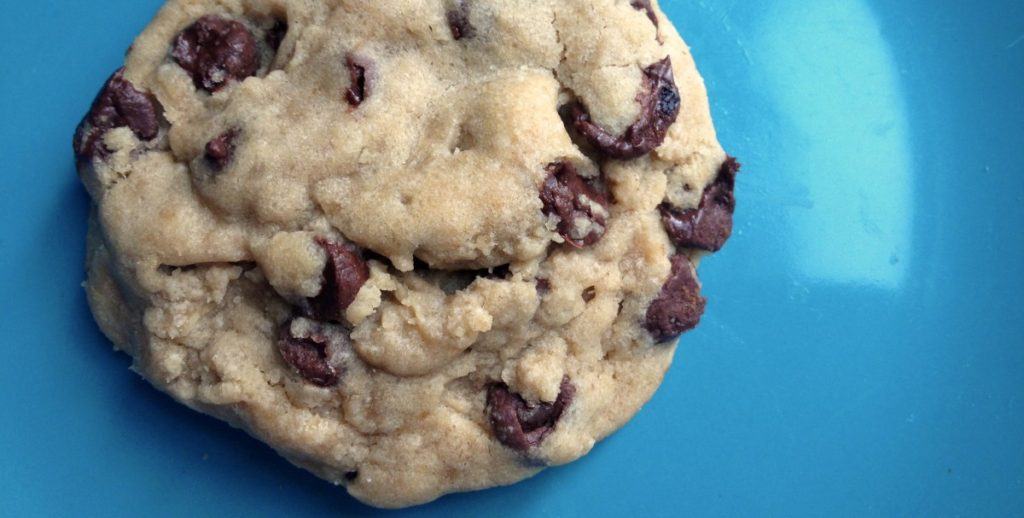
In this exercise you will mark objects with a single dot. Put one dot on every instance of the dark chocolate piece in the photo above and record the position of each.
(315, 351)
(344, 274)
(216, 51)
(521, 425)
(645, 5)
(221, 150)
(359, 89)
(458, 22)
(708, 226)
(589, 294)
(659, 106)
(566, 195)
(117, 105)
(679, 305)
(543, 286)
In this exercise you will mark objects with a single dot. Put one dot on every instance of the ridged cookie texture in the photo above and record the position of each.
(415, 246)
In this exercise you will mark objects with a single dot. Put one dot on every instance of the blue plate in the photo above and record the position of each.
(863, 350)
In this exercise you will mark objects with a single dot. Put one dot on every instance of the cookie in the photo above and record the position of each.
(417, 247)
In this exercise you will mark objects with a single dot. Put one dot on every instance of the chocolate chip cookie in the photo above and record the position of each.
(415, 246)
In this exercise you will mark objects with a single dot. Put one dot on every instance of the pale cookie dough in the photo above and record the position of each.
(417, 246)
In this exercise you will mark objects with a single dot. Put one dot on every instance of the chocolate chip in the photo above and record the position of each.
(659, 107)
(315, 350)
(589, 294)
(351, 475)
(216, 51)
(344, 274)
(645, 5)
(679, 306)
(117, 105)
(276, 33)
(521, 425)
(582, 211)
(708, 226)
(543, 287)
(458, 21)
(221, 150)
(359, 89)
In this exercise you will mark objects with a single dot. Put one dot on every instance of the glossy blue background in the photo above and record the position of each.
(862, 353)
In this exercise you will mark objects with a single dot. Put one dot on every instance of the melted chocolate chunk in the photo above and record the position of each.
(221, 150)
(314, 350)
(359, 90)
(458, 21)
(344, 274)
(582, 210)
(117, 105)
(659, 107)
(679, 306)
(216, 51)
(708, 226)
(645, 5)
(521, 425)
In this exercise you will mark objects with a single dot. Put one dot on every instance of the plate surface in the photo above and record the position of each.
(863, 350)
